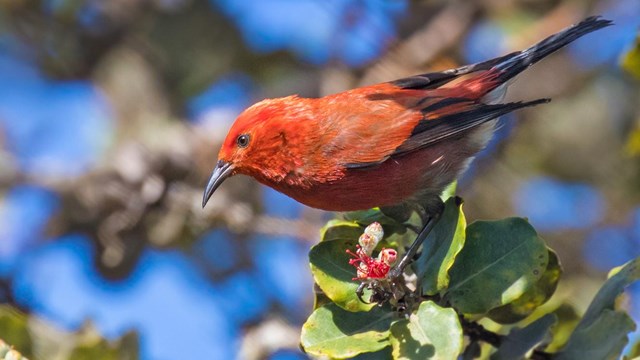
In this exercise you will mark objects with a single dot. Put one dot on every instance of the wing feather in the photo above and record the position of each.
(428, 132)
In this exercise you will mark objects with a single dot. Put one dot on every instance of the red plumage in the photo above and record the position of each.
(398, 142)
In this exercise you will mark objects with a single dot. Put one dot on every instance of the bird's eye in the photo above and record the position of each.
(243, 140)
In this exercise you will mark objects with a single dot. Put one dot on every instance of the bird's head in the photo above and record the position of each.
(255, 143)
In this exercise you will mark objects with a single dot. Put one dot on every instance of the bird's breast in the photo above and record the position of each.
(392, 182)
(414, 177)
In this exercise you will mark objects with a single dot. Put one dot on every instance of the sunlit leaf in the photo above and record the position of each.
(500, 261)
(567, 321)
(537, 295)
(602, 332)
(319, 298)
(441, 247)
(384, 354)
(333, 274)
(449, 191)
(432, 332)
(340, 230)
(333, 332)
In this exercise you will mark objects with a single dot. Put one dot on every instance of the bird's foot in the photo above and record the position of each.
(391, 287)
(392, 291)
(360, 291)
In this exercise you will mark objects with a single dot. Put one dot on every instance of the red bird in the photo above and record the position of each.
(395, 143)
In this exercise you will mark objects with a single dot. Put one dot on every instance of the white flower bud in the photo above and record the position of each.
(367, 243)
(375, 230)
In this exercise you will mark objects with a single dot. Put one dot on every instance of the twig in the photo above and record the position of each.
(477, 332)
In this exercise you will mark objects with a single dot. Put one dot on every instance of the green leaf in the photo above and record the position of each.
(631, 60)
(384, 354)
(14, 330)
(612, 288)
(567, 321)
(432, 332)
(449, 191)
(333, 274)
(500, 261)
(340, 230)
(366, 217)
(537, 295)
(520, 341)
(603, 338)
(319, 298)
(441, 247)
(602, 332)
(333, 332)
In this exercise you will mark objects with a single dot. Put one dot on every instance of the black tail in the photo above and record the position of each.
(523, 59)
(511, 64)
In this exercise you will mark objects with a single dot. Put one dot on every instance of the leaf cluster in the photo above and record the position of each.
(481, 287)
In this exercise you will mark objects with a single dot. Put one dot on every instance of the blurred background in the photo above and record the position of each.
(112, 113)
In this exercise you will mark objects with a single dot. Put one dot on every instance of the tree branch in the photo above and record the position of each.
(477, 332)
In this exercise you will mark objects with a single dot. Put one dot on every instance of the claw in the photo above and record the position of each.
(360, 292)
(388, 284)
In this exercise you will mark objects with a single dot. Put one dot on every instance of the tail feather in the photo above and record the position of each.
(436, 79)
(509, 65)
(522, 60)
(446, 118)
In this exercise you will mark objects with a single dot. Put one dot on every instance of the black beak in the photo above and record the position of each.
(222, 171)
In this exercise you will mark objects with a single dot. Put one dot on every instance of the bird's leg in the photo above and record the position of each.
(398, 270)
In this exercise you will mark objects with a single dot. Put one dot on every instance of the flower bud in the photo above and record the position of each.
(371, 237)
(367, 243)
(388, 256)
(375, 230)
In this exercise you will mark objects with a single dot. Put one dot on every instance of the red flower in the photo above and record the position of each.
(370, 268)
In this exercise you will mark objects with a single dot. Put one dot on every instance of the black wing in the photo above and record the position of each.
(428, 132)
